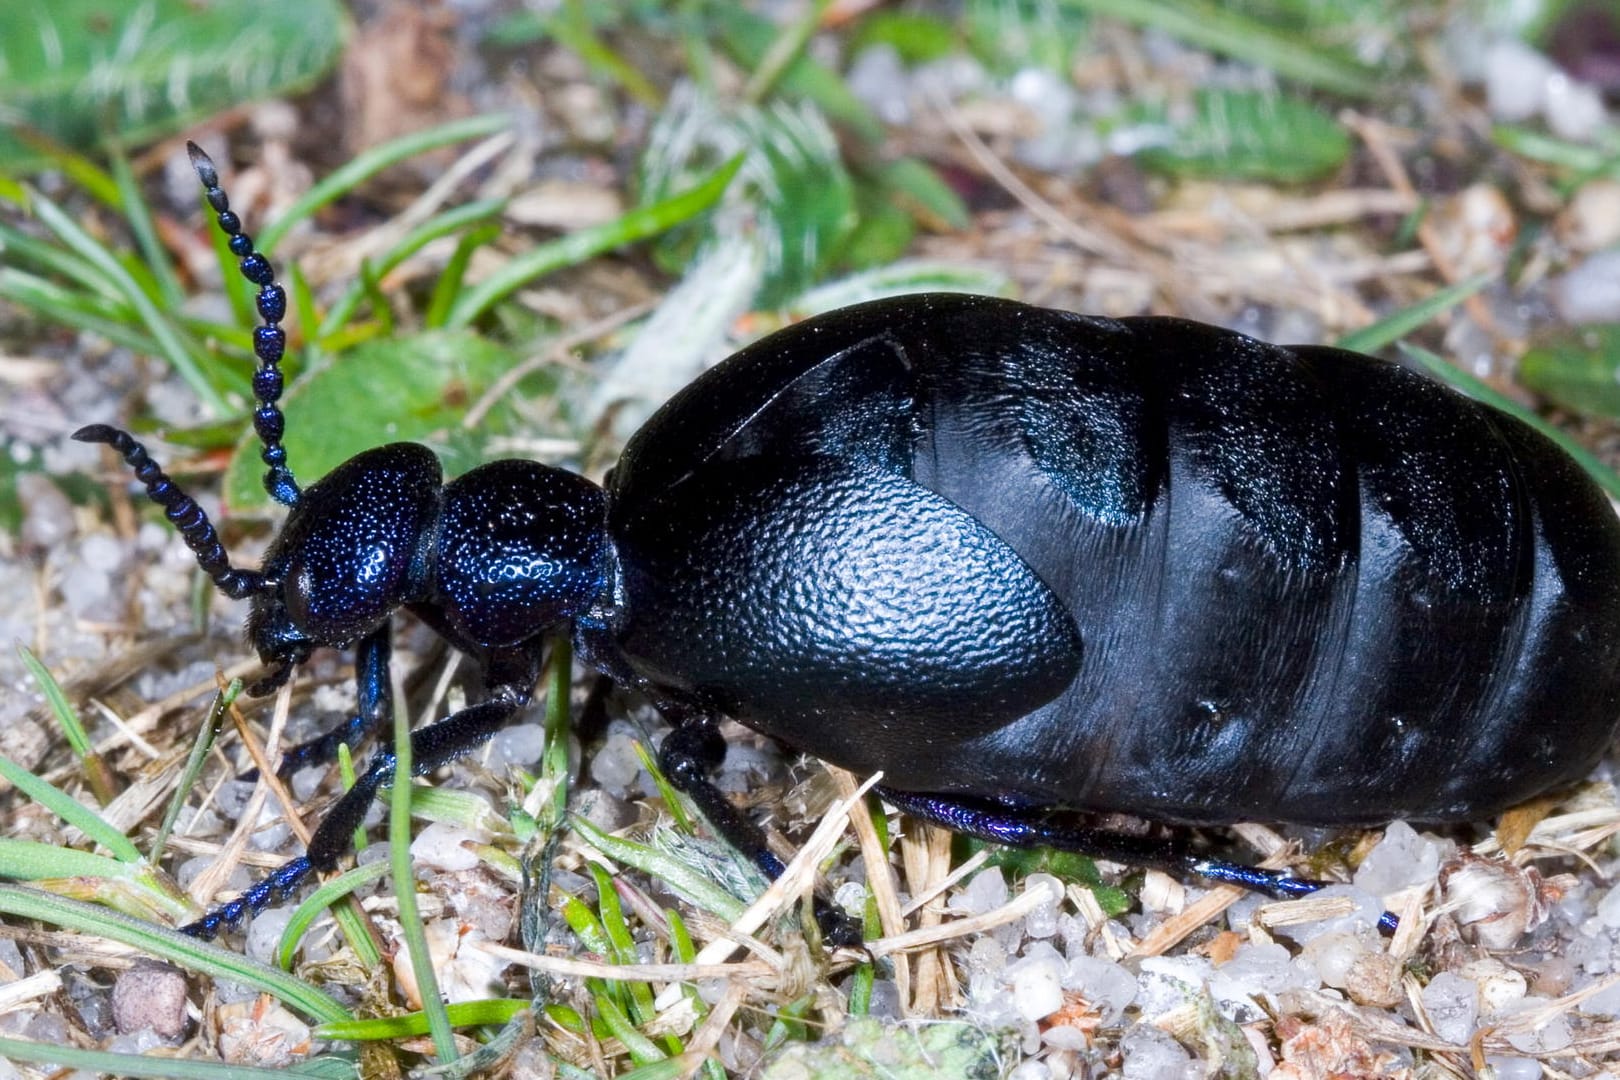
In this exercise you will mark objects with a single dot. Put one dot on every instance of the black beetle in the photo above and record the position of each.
(1017, 559)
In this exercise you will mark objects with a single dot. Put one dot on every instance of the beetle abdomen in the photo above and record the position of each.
(1309, 586)
(1312, 586)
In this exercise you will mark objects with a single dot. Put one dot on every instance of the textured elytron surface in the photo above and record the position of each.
(1148, 566)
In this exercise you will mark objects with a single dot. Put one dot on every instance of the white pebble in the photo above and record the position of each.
(1261, 969)
(1515, 80)
(1151, 1054)
(520, 744)
(1452, 1003)
(1037, 982)
(264, 933)
(1590, 293)
(1605, 1002)
(985, 891)
(1513, 1068)
(103, 553)
(47, 513)
(1167, 982)
(1104, 983)
(616, 765)
(444, 847)
(1401, 860)
(1042, 922)
(1548, 1036)
(1333, 955)
(1608, 908)
(1574, 109)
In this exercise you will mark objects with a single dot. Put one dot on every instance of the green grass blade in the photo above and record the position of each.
(80, 311)
(171, 347)
(96, 772)
(1393, 327)
(454, 274)
(1478, 389)
(576, 247)
(194, 763)
(682, 879)
(200, 956)
(139, 215)
(318, 901)
(443, 224)
(399, 847)
(107, 1063)
(368, 164)
(486, 1013)
(71, 811)
(1208, 26)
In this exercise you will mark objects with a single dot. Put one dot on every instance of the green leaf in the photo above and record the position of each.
(404, 389)
(792, 191)
(1209, 26)
(746, 37)
(81, 70)
(915, 37)
(1578, 370)
(1009, 35)
(1246, 134)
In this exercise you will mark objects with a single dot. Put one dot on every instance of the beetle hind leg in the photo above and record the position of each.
(1025, 829)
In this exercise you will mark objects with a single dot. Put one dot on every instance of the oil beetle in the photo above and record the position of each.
(1017, 559)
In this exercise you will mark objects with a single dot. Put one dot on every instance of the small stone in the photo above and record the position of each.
(1375, 979)
(1608, 909)
(151, 997)
(616, 765)
(985, 891)
(1550, 1034)
(1591, 222)
(520, 745)
(444, 847)
(1514, 1068)
(1574, 109)
(1042, 921)
(1452, 1003)
(1167, 982)
(1105, 984)
(1515, 80)
(1151, 1054)
(1590, 293)
(265, 931)
(1499, 986)
(1400, 860)
(1037, 981)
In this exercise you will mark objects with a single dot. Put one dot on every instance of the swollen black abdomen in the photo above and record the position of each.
(1311, 586)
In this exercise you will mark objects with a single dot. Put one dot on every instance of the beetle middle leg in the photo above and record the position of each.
(374, 709)
(509, 680)
(687, 757)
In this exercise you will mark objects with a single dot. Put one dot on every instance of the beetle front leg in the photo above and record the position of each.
(374, 709)
(509, 683)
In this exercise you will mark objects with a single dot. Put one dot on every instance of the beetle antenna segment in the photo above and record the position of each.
(269, 340)
(182, 511)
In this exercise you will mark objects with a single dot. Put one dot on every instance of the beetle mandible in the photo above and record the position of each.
(1017, 559)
